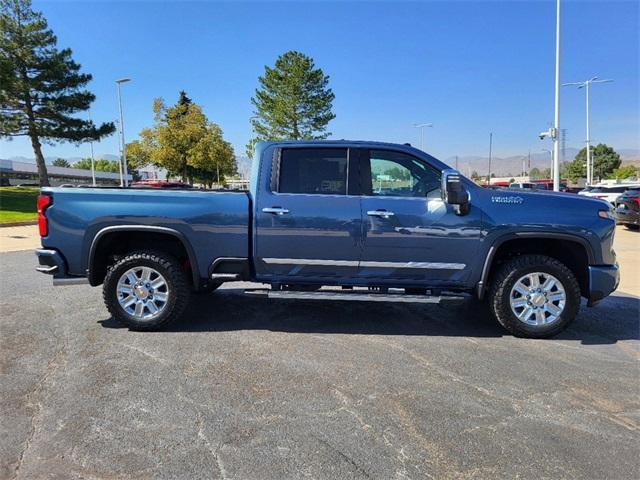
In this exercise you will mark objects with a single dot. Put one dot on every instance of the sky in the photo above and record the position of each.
(470, 67)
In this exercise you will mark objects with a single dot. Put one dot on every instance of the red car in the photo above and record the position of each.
(164, 184)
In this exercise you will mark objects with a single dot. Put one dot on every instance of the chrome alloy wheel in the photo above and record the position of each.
(537, 298)
(143, 292)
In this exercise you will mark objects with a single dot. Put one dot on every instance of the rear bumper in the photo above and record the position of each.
(603, 280)
(52, 263)
(627, 217)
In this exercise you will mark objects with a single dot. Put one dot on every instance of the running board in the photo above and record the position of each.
(225, 277)
(348, 295)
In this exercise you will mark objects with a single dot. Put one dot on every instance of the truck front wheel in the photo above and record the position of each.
(146, 290)
(534, 296)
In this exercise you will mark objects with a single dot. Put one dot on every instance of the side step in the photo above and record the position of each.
(348, 295)
(225, 277)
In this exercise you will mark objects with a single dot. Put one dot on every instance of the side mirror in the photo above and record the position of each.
(453, 191)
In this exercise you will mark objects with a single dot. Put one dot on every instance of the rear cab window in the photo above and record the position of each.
(320, 171)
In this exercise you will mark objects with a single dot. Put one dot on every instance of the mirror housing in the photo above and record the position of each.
(453, 191)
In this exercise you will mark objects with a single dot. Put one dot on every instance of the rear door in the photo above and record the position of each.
(411, 235)
(308, 226)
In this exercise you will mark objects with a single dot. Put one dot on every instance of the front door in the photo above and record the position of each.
(308, 227)
(412, 237)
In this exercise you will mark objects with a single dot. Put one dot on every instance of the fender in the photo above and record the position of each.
(481, 286)
(144, 228)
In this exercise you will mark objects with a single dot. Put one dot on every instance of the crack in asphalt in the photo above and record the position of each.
(36, 405)
(214, 451)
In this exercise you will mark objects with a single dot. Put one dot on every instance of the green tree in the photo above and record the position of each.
(42, 87)
(60, 162)
(101, 165)
(605, 161)
(293, 101)
(535, 173)
(621, 173)
(185, 143)
(474, 175)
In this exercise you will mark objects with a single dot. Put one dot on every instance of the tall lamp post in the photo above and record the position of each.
(490, 151)
(556, 117)
(586, 85)
(124, 181)
(422, 126)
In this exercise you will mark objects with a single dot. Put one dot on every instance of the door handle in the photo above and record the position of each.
(380, 213)
(275, 210)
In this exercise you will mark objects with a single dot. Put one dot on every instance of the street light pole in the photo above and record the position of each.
(123, 160)
(586, 84)
(421, 126)
(490, 149)
(556, 118)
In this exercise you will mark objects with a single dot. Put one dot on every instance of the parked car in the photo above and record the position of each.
(608, 192)
(525, 185)
(166, 184)
(628, 209)
(373, 221)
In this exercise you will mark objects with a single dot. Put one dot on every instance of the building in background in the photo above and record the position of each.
(20, 173)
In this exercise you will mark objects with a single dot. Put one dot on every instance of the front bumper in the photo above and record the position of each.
(603, 280)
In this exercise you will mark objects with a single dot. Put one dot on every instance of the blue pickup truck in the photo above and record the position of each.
(338, 220)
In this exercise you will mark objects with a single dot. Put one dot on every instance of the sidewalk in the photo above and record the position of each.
(13, 239)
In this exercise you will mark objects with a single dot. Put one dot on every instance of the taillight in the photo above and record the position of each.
(43, 202)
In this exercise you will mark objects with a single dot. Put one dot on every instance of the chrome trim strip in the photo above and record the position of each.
(365, 264)
(427, 265)
(307, 261)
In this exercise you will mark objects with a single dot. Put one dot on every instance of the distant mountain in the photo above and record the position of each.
(500, 166)
(511, 166)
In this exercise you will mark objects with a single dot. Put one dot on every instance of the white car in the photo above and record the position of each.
(610, 192)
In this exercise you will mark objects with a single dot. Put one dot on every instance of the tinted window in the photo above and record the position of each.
(609, 190)
(400, 175)
(313, 170)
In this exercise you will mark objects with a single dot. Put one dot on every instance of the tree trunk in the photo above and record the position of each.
(43, 175)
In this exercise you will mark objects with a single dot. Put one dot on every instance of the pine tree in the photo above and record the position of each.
(293, 101)
(42, 87)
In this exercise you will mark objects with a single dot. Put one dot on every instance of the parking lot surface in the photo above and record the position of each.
(250, 388)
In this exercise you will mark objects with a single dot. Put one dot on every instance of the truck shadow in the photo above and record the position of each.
(616, 318)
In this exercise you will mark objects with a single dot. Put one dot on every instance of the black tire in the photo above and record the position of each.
(631, 226)
(169, 268)
(506, 277)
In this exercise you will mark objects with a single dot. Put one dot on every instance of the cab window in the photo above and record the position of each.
(397, 174)
(321, 171)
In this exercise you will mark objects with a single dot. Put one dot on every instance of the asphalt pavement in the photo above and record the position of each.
(252, 388)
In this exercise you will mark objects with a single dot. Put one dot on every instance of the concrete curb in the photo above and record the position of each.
(18, 224)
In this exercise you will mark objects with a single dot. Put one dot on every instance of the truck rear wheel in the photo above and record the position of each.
(534, 296)
(146, 290)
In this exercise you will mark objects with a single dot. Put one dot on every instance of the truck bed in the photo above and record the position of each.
(216, 223)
